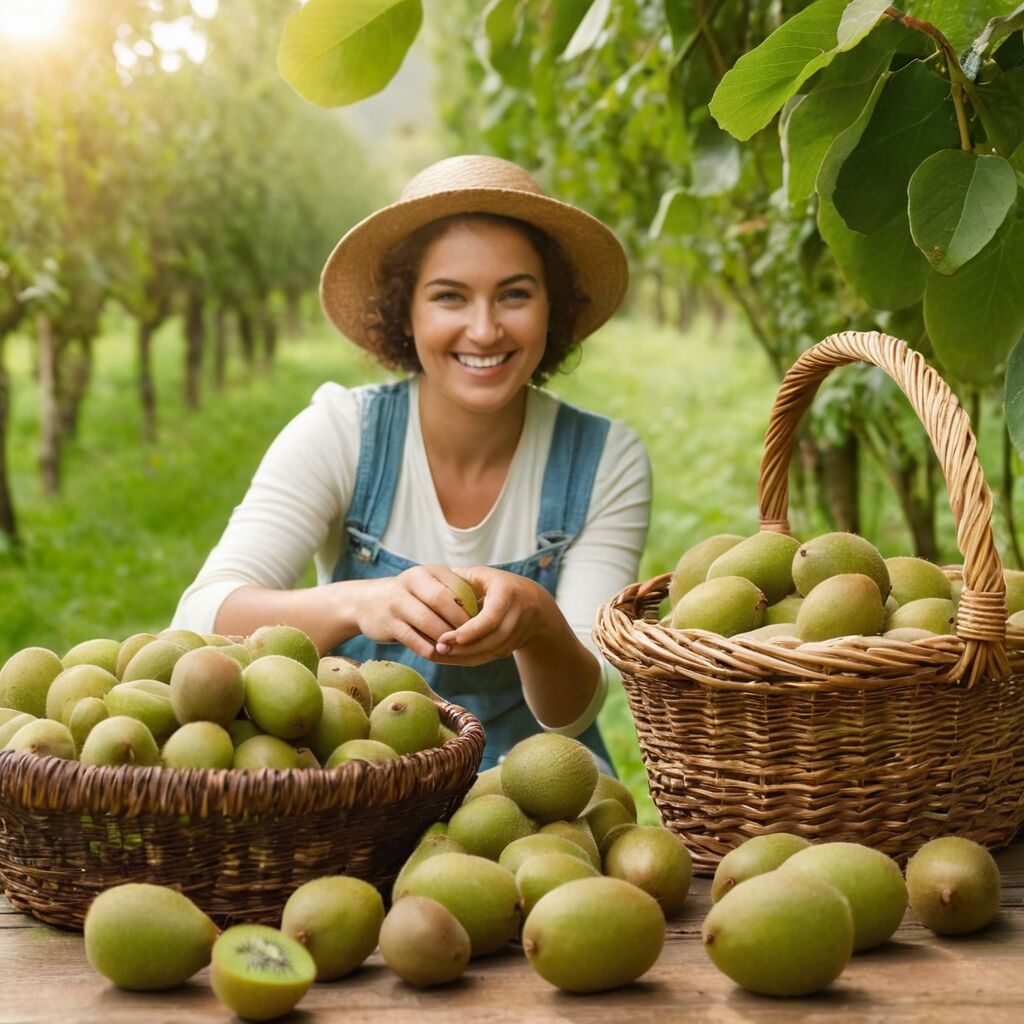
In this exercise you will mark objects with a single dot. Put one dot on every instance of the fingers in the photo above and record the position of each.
(427, 582)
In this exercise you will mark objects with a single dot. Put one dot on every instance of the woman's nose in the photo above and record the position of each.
(484, 325)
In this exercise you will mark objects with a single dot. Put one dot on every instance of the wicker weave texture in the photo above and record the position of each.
(237, 843)
(864, 739)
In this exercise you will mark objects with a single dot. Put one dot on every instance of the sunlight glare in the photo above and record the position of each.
(32, 19)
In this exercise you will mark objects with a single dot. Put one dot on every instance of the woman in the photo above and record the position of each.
(479, 286)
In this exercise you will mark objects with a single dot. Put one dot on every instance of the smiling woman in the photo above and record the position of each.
(32, 19)
(478, 286)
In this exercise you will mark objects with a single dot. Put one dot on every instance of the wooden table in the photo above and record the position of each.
(44, 976)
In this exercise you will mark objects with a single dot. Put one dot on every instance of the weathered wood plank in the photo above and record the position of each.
(916, 978)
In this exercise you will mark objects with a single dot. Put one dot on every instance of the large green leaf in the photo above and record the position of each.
(957, 19)
(840, 94)
(589, 30)
(859, 18)
(957, 201)
(761, 81)
(679, 213)
(975, 316)
(1001, 109)
(507, 50)
(333, 53)
(885, 268)
(1017, 161)
(563, 19)
(846, 141)
(914, 118)
(997, 30)
(1013, 396)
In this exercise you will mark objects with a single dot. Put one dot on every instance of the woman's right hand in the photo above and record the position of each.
(413, 608)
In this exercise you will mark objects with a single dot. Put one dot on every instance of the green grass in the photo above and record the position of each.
(110, 555)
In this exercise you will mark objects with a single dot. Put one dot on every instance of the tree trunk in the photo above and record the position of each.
(8, 520)
(659, 298)
(195, 343)
(836, 475)
(147, 390)
(75, 373)
(293, 314)
(686, 304)
(220, 346)
(268, 328)
(246, 337)
(50, 429)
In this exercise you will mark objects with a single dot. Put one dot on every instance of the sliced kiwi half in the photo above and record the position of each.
(259, 972)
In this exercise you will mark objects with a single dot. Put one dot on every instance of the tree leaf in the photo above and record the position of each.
(914, 118)
(679, 213)
(715, 160)
(1001, 109)
(589, 31)
(564, 19)
(957, 202)
(756, 87)
(845, 143)
(507, 52)
(998, 29)
(1013, 396)
(1017, 161)
(885, 268)
(975, 316)
(958, 19)
(682, 17)
(333, 54)
(841, 93)
(859, 18)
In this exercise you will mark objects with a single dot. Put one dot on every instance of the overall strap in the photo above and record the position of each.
(385, 415)
(576, 449)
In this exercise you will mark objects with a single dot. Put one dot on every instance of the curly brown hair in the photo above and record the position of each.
(387, 312)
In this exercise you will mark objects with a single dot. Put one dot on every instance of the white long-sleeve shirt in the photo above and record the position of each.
(296, 505)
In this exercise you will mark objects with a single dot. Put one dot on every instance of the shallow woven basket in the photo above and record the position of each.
(238, 843)
(863, 739)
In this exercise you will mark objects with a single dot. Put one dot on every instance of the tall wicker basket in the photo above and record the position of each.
(864, 739)
(237, 842)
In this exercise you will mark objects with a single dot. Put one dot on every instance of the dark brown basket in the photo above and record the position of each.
(863, 739)
(237, 842)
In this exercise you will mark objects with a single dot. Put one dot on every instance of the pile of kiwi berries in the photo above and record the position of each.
(787, 915)
(182, 700)
(772, 588)
(544, 850)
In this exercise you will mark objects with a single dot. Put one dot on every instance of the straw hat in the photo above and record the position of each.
(472, 184)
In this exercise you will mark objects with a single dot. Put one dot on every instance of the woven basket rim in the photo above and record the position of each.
(644, 648)
(56, 784)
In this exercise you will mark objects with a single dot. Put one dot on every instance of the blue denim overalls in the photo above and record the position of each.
(492, 692)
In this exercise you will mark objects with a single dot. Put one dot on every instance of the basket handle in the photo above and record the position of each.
(981, 617)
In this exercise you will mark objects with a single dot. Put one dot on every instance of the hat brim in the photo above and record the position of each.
(349, 277)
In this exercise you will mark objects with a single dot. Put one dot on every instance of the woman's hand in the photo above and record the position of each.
(414, 608)
(514, 610)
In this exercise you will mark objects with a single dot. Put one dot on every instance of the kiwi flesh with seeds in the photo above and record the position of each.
(259, 972)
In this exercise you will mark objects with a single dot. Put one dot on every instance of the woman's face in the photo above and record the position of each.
(479, 314)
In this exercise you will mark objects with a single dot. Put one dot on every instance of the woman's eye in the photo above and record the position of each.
(517, 294)
(446, 297)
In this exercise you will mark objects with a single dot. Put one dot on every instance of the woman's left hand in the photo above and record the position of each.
(513, 611)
